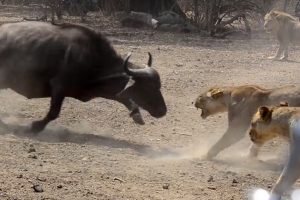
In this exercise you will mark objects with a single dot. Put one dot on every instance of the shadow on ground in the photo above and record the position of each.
(60, 135)
(54, 134)
(253, 164)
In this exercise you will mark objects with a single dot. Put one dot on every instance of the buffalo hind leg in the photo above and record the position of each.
(57, 98)
(135, 111)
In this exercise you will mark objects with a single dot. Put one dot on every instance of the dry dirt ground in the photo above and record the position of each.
(104, 155)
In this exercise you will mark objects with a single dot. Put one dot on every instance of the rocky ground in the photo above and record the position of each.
(104, 155)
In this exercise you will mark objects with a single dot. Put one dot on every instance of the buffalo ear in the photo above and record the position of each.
(283, 103)
(265, 113)
(127, 90)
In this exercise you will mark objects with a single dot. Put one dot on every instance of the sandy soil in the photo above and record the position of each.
(104, 155)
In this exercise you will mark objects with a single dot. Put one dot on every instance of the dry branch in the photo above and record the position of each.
(247, 25)
(230, 21)
(118, 179)
(228, 33)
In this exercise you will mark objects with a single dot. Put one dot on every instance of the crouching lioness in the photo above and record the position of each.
(241, 102)
(272, 121)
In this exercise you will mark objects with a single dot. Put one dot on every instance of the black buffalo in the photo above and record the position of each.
(39, 60)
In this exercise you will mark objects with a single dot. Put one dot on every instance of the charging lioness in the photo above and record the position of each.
(241, 102)
(272, 121)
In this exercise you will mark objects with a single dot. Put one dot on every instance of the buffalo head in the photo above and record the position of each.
(144, 89)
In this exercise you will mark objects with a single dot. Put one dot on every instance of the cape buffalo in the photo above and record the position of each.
(40, 59)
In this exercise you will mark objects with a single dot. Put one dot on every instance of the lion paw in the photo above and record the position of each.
(272, 58)
(284, 58)
(209, 155)
(250, 156)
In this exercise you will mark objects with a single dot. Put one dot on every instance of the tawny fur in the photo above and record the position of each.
(272, 121)
(286, 28)
(241, 102)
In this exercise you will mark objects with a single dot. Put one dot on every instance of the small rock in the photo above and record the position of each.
(199, 164)
(37, 188)
(210, 179)
(84, 158)
(41, 179)
(179, 64)
(212, 187)
(166, 186)
(31, 149)
(32, 156)
(234, 181)
(20, 176)
(59, 186)
(230, 172)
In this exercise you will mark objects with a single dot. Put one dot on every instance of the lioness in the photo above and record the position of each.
(241, 102)
(286, 28)
(272, 121)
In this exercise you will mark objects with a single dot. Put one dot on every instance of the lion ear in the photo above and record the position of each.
(265, 113)
(283, 103)
(215, 93)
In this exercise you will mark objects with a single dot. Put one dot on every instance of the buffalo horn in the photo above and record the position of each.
(149, 60)
(137, 72)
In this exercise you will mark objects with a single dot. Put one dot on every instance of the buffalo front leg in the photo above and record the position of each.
(135, 111)
(57, 98)
(234, 133)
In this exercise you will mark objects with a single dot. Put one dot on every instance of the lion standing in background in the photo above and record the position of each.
(286, 28)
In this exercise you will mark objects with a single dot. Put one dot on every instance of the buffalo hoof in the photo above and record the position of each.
(137, 118)
(36, 127)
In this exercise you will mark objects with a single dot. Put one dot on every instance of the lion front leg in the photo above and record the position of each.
(254, 149)
(285, 53)
(279, 51)
(234, 133)
(289, 175)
